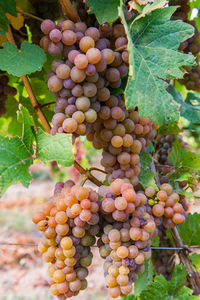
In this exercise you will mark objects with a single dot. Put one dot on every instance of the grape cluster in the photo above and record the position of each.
(5, 91)
(166, 205)
(191, 78)
(163, 146)
(164, 260)
(125, 239)
(192, 44)
(69, 222)
(84, 104)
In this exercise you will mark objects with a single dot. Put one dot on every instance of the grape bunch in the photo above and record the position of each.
(192, 44)
(84, 104)
(125, 239)
(163, 146)
(5, 91)
(69, 222)
(166, 205)
(164, 260)
(191, 78)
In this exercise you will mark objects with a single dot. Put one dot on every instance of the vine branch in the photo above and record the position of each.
(27, 85)
(70, 10)
(193, 277)
(86, 174)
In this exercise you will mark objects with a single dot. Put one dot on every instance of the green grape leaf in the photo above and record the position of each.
(160, 288)
(104, 10)
(10, 118)
(146, 176)
(56, 147)
(155, 38)
(155, 241)
(187, 110)
(189, 231)
(174, 155)
(145, 278)
(146, 9)
(130, 297)
(3, 22)
(169, 129)
(15, 159)
(185, 294)
(28, 59)
(28, 134)
(195, 258)
(9, 6)
(190, 160)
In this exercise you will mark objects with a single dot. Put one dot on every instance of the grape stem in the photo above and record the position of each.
(193, 277)
(99, 170)
(47, 104)
(70, 10)
(86, 173)
(29, 15)
(29, 90)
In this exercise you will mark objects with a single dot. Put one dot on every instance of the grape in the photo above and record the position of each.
(55, 84)
(69, 125)
(67, 25)
(86, 43)
(68, 37)
(63, 71)
(93, 55)
(81, 61)
(83, 104)
(55, 35)
(47, 26)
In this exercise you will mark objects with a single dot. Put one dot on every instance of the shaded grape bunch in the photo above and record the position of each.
(126, 236)
(167, 205)
(191, 78)
(43, 9)
(5, 91)
(83, 11)
(69, 223)
(164, 260)
(192, 44)
(164, 147)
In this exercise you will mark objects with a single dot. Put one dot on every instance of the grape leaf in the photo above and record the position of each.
(155, 38)
(145, 278)
(190, 160)
(185, 293)
(56, 147)
(160, 288)
(15, 160)
(104, 10)
(146, 176)
(10, 118)
(187, 110)
(28, 134)
(146, 9)
(3, 22)
(9, 6)
(195, 258)
(189, 231)
(28, 59)
(174, 155)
